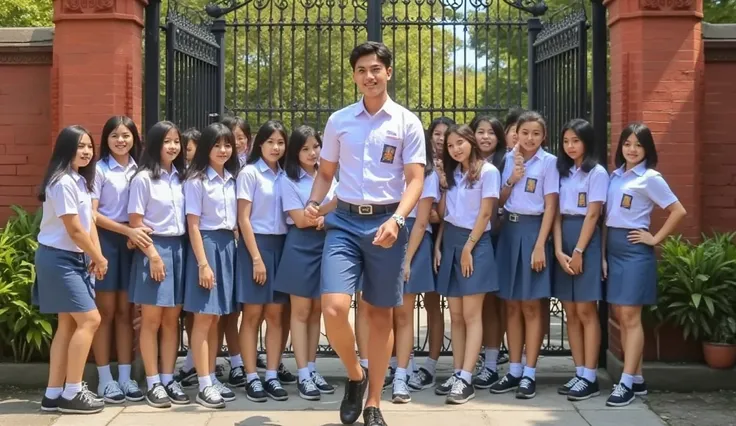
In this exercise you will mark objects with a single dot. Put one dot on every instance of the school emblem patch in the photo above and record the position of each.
(531, 185)
(582, 199)
(388, 154)
(626, 201)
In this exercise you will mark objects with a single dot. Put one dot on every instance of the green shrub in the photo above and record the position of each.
(25, 333)
(697, 285)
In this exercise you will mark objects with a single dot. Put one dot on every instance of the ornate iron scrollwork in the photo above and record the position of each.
(534, 7)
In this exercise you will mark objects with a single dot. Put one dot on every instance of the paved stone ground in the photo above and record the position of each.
(695, 409)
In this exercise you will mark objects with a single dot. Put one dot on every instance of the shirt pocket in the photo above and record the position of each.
(532, 183)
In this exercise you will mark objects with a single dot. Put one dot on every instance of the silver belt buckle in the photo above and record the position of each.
(513, 217)
(365, 210)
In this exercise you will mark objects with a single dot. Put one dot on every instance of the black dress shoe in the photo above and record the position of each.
(352, 403)
(372, 417)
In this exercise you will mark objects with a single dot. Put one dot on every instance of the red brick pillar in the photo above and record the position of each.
(656, 68)
(97, 63)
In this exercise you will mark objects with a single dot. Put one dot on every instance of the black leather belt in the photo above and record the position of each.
(367, 209)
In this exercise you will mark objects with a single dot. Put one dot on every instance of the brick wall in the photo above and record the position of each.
(25, 121)
(718, 157)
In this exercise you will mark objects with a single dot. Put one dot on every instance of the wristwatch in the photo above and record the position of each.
(312, 202)
(399, 220)
(507, 184)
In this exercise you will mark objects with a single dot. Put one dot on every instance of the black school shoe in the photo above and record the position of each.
(176, 395)
(275, 390)
(527, 388)
(210, 398)
(507, 383)
(254, 391)
(565, 389)
(188, 378)
(285, 375)
(157, 397)
(50, 405)
(621, 396)
(583, 390)
(84, 402)
(352, 402)
(485, 378)
(372, 417)
(236, 378)
(461, 392)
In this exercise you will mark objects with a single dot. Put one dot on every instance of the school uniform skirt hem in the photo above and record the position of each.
(247, 291)
(144, 290)
(632, 270)
(588, 286)
(299, 271)
(63, 284)
(450, 279)
(517, 279)
(421, 278)
(219, 248)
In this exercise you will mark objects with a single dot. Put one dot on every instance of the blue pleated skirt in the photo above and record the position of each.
(300, 270)
(119, 261)
(63, 283)
(586, 287)
(421, 278)
(219, 247)
(450, 279)
(247, 291)
(632, 270)
(168, 293)
(517, 280)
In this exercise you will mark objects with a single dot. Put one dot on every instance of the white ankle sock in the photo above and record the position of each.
(204, 382)
(431, 366)
(166, 378)
(188, 361)
(579, 371)
(491, 358)
(105, 374)
(70, 390)
(303, 374)
(312, 367)
(236, 361)
(589, 375)
(152, 380)
(53, 393)
(123, 373)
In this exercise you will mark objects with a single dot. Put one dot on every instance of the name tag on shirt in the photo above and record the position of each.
(626, 201)
(531, 185)
(388, 154)
(582, 199)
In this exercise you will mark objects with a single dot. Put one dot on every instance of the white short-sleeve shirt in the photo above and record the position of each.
(160, 202)
(67, 196)
(259, 184)
(463, 202)
(580, 188)
(632, 195)
(212, 198)
(111, 188)
(540, 178)
(371, 151)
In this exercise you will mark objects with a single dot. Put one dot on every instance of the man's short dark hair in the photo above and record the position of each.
(369, 48)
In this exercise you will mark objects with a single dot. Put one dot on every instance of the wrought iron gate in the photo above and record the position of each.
(288, 59)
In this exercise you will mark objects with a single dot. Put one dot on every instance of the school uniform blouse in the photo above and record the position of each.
(161, 202)
(372, 150)
(632, 195)
(580, 188)
(463, 203)
(111, 188)
(68, 195)
(212, 198)
(295, 194)
(258, 184)
(431, 190)
(540, 178)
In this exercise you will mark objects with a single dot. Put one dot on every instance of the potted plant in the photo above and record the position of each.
(697, 285)
(719, 348)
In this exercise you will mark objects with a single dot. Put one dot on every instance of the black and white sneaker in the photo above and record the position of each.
(485, 378)
(583, 390)
(254, 391)
(187, 379)
(640, 389)
(420, 380)
(225, 393)
(502, 359)
(322, 384)
(285, 376)
(210, 398)
(236, 378)
(261, 362)
(84, 402)
(565, 389)
(308, 390)
(507, 383)
(460, 393)
(157, 397)
(275, 390)
(400, 394)
(621, 396)
(527, 388)
(176, 395)
(111, 392)
(50, 405)
(446, 387)
(389, 380)
(132, 391)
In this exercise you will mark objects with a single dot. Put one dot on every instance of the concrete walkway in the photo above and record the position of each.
(21, 408)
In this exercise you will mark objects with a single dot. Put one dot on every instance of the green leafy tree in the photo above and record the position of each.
(26, 13)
